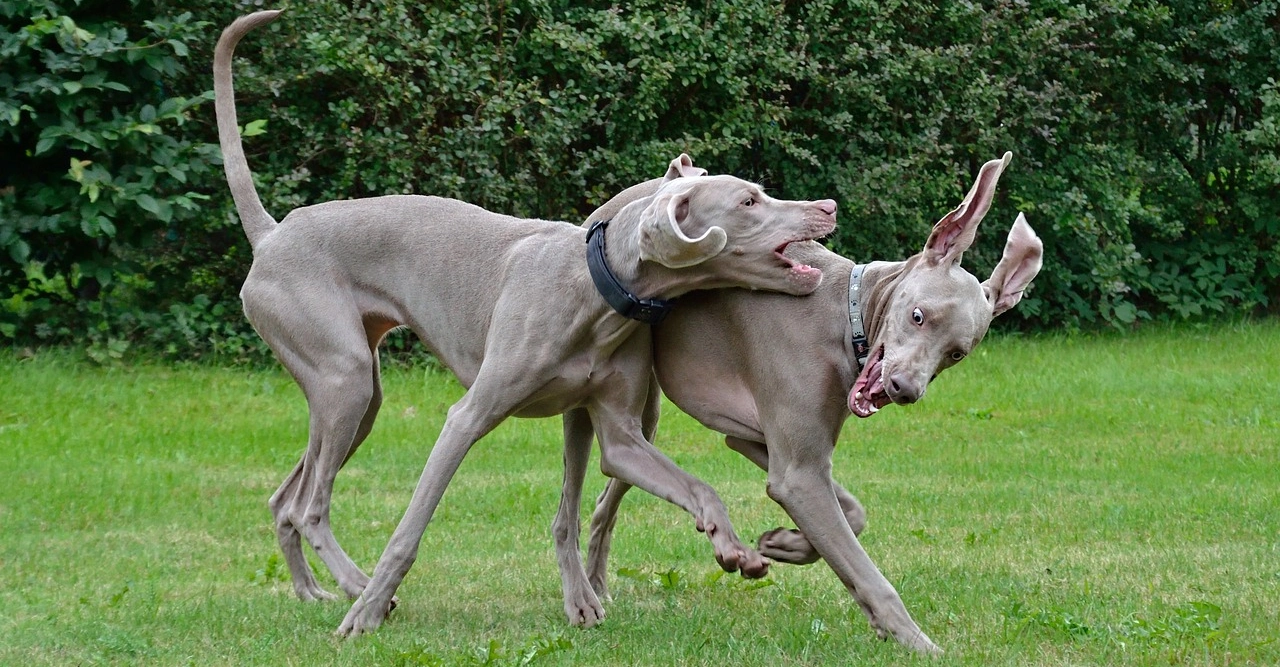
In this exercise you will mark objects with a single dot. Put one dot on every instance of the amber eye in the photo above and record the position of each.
(917, 317)
(957, 356)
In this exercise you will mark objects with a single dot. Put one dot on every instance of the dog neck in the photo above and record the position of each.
(649, 280)
(879, 280)
(647, 311)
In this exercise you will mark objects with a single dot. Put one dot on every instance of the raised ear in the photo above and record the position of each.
(955, 231)
(1023, 256)
(663, 241)
(682, 167)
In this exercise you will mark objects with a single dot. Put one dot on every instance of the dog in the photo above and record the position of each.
(779, 377)
(528, 314)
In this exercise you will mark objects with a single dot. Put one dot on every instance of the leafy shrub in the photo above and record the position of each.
(1146, 136)
(100, 173)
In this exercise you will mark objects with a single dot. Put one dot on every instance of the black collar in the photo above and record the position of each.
(649, 311)
(861, 348)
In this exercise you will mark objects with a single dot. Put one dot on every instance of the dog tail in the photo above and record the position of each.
(253, 216)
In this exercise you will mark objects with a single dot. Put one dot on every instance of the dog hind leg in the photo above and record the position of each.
(326, 349)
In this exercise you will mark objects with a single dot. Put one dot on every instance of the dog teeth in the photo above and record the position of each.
(858, 396)
(874, 409)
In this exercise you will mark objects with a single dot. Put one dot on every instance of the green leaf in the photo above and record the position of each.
(179, 49)
(148, 203)
(77, 169)
(20, 251)
(72, 86)
(254, 128)
(45, 144)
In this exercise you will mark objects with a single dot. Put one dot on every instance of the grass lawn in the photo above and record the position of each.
(1053, 501)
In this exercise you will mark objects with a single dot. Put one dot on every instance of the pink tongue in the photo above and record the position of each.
(869, 387)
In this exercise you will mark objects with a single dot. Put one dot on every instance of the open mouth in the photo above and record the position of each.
(868, 394)
(796, 268)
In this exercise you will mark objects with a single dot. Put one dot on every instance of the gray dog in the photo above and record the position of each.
(513, 309)
(779, 377)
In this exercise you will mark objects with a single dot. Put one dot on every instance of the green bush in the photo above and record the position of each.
(1146, 137)
(101, 170)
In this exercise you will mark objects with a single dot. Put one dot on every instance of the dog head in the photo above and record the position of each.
(729, 228)
(931, 313)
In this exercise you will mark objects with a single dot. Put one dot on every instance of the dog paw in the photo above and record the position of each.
(312, 592)
(745, 561)
(787, 546)
(363, 617)
(753, 565)
(584, 609)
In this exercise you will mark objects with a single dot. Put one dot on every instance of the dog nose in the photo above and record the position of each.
(827, 206)
(902, 389)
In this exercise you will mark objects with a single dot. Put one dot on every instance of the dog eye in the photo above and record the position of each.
(957, 356)
(917, 317)
(750, 201)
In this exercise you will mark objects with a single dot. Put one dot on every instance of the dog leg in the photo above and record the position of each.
(363, 398)
(302, 505)
(628, 456)
(800, 481)
(606, 512)
(789, 545)
(491, 399)
(602, 523)
(581, 603)
(325, 347)
(282, 501)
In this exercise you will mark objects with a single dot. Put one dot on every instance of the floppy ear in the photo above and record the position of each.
(1023, 255)
(682, 167)
(663, 241)
(955, 231)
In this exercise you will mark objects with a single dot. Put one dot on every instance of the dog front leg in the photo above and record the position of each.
(787, 545)
(626, 455)
(469, 420)
(581, 603)
(603, 520)
(605, 515)
(801, 483)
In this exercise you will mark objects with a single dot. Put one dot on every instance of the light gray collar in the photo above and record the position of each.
(861, 349)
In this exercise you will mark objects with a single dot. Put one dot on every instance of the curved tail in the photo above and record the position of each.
(255, 219)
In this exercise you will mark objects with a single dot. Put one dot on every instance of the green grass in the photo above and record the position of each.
(1053, 501)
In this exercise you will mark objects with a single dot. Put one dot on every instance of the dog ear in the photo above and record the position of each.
(663, 241)
(955, 231)
(1023, 256)
(682, 167)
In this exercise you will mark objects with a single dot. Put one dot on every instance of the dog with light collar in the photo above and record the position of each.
(779, 377)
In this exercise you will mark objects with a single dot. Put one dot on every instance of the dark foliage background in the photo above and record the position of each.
(1146, 138)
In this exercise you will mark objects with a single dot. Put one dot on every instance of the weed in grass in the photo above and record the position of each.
(1185, 627)
(274, 571)
(492, 654)
(923, 534)
(676, 580)
(118, 597)
(1186, 624)
(1025, 617)
(976, 537)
